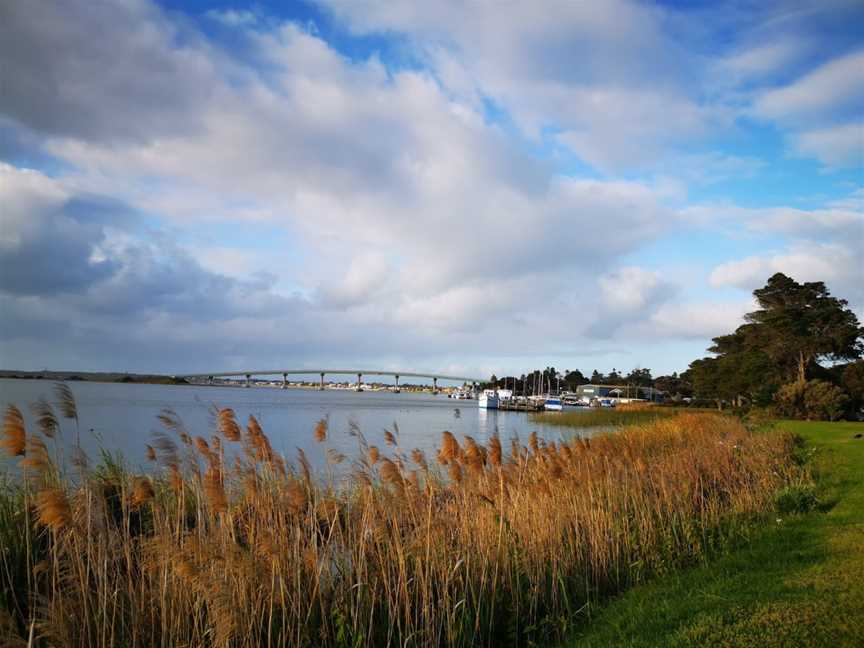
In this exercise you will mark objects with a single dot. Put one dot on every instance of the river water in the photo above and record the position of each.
(122, 417)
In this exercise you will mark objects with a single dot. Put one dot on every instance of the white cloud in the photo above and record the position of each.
(608, 76)
(835, 146)
(839, 266)
(233, 17)
(837, 87)
(763, 60)
(699, 320)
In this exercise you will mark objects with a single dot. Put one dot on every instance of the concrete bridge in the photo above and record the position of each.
(323, 372)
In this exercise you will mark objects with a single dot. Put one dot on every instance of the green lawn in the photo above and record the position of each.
(798, 582)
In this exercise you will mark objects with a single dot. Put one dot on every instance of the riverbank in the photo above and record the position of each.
(797, 582)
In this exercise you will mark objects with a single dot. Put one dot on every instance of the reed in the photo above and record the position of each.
(606, 417)
(226, 543)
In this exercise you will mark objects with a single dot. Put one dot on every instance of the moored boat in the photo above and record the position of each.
(552, 404)
(488, 399)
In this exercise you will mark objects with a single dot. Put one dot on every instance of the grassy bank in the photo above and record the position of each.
(799, 582)
(226, 543)
(610, 417)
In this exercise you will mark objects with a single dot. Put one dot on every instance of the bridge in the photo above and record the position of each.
(323, 372)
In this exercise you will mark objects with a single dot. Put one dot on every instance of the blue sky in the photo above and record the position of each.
(466, 187)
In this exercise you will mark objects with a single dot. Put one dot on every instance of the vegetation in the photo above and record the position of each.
(224, 542)
(605, 417)
(798, 582)
(774, 357)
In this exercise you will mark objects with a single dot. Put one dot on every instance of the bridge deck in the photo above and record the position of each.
(350, 372)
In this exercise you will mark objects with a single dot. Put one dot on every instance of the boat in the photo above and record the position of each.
(488, 399)
(552, 404)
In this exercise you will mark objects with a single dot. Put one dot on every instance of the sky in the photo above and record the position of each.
(468, 187)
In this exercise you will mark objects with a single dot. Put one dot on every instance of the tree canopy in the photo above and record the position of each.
(797, 326)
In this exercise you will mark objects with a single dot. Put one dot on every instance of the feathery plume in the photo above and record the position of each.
(66, 400)
(14, 437)
(53, 509)
(227, 424)
(495, 452)
(215, 491)
(253, 427)
(304, 466)
(37, 455)
(390, 473)
(374, 455)
(419, 458)
(389, 439)
(334, 457)
(449, 448)
(45, 418)
(321, 431)
(142, 491)
(296, 495)
(455, 472)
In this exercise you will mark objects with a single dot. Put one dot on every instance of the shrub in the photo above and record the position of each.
(796, 498)
(814, 399)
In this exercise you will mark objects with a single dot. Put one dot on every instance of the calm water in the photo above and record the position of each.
(122, 417)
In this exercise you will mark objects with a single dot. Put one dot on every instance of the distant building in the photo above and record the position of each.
(620, 392)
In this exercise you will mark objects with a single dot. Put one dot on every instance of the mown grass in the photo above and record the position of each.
(797, 582)
(224, 542)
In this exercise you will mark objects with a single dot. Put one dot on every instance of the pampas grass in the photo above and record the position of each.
(227, 543)
(14, 436)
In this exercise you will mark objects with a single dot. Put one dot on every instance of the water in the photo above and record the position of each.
(122, 417)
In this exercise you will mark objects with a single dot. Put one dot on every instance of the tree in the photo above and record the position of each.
(639, 378)
(676, 386)
(798, 325)
(573, 379)
(852, 381)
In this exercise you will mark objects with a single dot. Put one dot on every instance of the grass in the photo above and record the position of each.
(224, 542)
(798, 582)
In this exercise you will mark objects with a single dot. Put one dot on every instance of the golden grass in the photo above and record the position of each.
(228, 543)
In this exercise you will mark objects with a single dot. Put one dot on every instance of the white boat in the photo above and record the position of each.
(552, 404)
(488, 399)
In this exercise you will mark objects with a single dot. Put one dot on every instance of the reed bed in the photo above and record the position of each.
(605, 417)
(226, 543)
